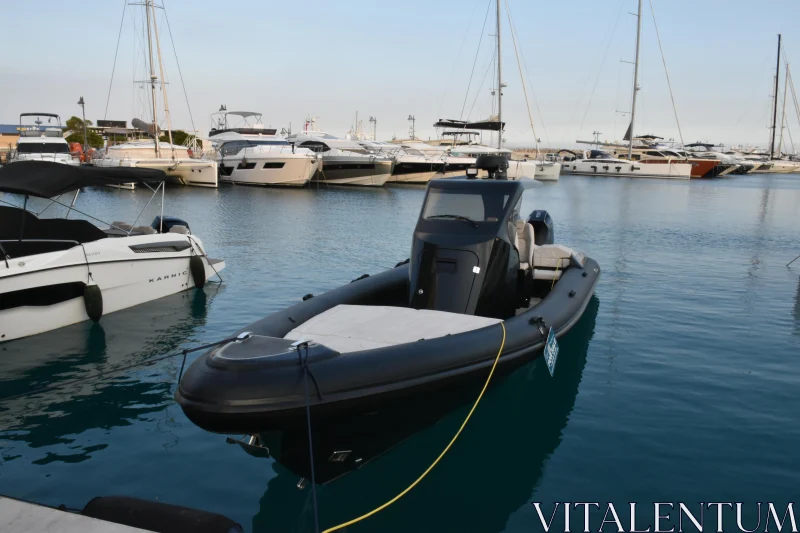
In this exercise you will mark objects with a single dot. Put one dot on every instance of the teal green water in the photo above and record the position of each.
(678, 385)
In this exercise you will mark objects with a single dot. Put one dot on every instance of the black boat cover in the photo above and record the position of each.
(47, 179)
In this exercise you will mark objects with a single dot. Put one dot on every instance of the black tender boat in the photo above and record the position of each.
(389, 341)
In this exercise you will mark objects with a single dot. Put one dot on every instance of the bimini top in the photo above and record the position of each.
(47, 179)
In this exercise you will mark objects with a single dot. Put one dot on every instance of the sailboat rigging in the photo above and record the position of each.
(180, 165)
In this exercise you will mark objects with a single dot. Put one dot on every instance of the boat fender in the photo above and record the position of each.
(156, 516)
(308, 296)
(93, 302)
(362, 276)
(198, 269)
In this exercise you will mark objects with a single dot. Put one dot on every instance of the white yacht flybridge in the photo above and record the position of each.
(177, 162)
(37, 144)
(248, 153)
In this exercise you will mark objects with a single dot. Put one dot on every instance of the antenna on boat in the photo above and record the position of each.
(635, 80)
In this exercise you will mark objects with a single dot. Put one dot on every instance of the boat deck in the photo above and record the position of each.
(353, 328)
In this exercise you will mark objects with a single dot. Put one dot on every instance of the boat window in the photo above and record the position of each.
(486, 207)
(41, 296)
(43, 148)
(653, 152)
(233, 147)
(268, 143)
(316, 146)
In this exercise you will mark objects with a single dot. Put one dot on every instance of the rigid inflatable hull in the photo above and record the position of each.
(271, 396)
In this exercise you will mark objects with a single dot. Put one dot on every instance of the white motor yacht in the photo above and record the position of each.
(516, 168)
(410, 165)
(57, 272)
(35, 144)
(344, 161)
(454, 165)
(598, 163)
(251, 154)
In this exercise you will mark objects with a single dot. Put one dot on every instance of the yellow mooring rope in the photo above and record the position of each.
(447, 448)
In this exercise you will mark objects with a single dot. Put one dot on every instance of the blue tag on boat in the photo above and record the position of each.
(551, 351)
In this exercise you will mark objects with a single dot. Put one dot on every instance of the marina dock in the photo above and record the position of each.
(17, 516)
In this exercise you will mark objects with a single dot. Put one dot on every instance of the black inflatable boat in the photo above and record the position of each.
(393, 340)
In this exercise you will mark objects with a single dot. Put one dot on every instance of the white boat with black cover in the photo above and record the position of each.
(57, 272)
(482, 285)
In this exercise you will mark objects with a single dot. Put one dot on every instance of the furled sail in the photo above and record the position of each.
(148, 127)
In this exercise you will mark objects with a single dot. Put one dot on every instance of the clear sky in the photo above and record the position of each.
(330, 59)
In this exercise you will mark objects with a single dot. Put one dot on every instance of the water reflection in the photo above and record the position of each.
(52, 416)
(797, 309)
(503, 451)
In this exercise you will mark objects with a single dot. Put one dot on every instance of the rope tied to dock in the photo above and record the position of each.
(436, 461)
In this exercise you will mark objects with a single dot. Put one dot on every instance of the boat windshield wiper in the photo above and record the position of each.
(459, 217)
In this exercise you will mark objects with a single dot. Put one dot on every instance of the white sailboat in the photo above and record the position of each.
(598, 163)
(517, 169)
(176, 161)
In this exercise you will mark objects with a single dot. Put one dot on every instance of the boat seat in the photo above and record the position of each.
(353, 328)
(178, 228)
(552, 256)
(144, 230)
(121, 225)
(524, 241)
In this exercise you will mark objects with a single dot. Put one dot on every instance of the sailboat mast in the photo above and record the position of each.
(499, 82)
(635, 79)
(783, 110)
(775, 101)
(153, 77)
(163, 84)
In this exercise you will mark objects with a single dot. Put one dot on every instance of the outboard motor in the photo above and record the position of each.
(543, 231)
(463, 256)
(168, 223)
(495, 165)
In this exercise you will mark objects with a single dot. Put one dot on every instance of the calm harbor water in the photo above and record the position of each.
(678, 385)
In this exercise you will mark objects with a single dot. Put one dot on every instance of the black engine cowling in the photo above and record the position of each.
(463, 258)
(168, 223)
(543, 230)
